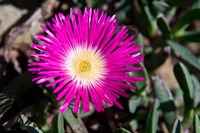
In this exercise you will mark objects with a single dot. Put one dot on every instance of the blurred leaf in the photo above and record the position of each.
(160, 5)
(150, 19)
(196, 124)
(122, 12)
(185, 82)
(193, 36)
(196, 86)
(121, 130)
(75, 122)
(152, 119)
(177, 93)
(90, 3)
(133, 125)
(31, 127)
(79, 3)
(177, 127)
(164, 27)
(58, 124)
(139, 41)
(100, 3)
(196, 4)
(19, 85)
(187, 18)
(184, 54)
(134, 102)
(166, 100)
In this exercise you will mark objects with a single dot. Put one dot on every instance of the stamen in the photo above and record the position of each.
(84, 66)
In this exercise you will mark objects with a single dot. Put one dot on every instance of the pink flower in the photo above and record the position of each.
(87, 58)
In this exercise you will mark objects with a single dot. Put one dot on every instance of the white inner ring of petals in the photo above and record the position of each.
(85, 66)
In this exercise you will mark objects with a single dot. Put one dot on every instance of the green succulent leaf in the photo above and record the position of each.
(133, 124)
(152, 119)
(58, 124)
(184, 54)
(139, 41)
(121, 130)
(196, 124)
(160, 5)
(187, 18)
(166, 100)
(184, 79)
(196, 86)
(196, 4)
(177, 127)
(75, 122)
(134, 102)
(164, 27)
(150, 19)
(193, 36)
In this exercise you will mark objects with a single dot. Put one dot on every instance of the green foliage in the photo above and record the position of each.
(74, 121)
(177, 127)
(196, 124)
(134, 102)
(166, 100)
(185, 82)
(58, 124)
(164, 27)
(152, 119)
(184, 54)
(187, 18)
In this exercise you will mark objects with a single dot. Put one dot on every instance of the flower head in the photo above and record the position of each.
(87, 59)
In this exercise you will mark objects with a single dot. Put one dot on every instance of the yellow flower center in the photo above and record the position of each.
(84, 66)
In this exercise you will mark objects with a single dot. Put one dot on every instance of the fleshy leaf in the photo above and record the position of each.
(150, 19)
(75, 122)
(58, 124)
(177, 127)
(152, 119)
(187, 18)
(196, 124)
(184, 79)
(184, 54)
(196, 86)
(166, 100)
(134, 102)
(139, 41)
(160, 5)
(192, 36)
(164, 27)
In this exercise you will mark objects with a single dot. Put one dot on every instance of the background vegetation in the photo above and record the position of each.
(167, 101)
